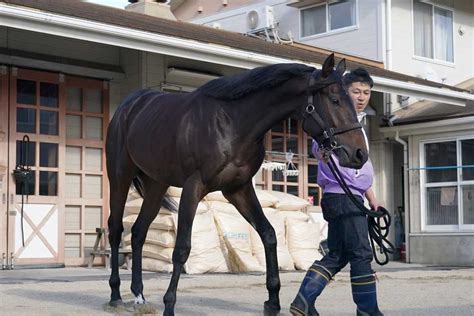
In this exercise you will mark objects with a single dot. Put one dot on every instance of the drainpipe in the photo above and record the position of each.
(406, 199)
(388, 50)
(388, 34)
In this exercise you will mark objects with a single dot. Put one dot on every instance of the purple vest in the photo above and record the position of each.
(359, 181)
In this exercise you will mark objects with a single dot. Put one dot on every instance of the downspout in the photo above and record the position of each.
(406, 198)
(388, 50)
(388, 35)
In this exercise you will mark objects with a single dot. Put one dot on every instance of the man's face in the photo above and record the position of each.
(360, 95)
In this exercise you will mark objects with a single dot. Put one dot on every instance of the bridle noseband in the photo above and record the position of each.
(329, 142)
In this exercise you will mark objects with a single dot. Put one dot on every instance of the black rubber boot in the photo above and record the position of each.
(364, 294)
(313, 284)
(376, 312)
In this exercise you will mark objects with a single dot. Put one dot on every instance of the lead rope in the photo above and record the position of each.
(378, 220)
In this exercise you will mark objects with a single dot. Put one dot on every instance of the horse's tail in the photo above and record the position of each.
(167, 202)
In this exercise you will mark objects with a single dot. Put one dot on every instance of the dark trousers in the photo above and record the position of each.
(348, 240)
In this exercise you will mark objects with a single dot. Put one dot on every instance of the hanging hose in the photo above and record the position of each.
(378, 220)
(23, 174)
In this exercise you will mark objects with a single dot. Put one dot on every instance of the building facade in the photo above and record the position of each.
(433, 40)
(64, 68)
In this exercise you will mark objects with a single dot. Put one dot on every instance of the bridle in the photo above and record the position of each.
(378, 220)
(328, 142)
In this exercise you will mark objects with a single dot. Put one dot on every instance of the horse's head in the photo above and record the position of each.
(330, 118)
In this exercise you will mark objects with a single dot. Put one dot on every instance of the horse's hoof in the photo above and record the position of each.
(115, 307)
(116, 303)
(269, 310)
(147, 308)
(168, 312)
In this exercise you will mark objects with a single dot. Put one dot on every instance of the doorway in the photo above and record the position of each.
(65, 119)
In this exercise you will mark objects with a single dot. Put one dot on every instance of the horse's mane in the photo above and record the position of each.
(237, 86)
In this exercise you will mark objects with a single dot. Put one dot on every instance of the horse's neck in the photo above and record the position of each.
(262, 111)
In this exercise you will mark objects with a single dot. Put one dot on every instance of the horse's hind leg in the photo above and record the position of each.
(193, 192)
(121, 171)
(245, 200)
(154, 192)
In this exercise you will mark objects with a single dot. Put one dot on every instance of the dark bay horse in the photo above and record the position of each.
(212, 139)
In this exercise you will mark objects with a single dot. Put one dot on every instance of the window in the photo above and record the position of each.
(433, 29)
(328, 17)
(448, 184)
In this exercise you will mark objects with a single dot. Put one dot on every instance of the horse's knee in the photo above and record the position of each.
(138, 238)
(115, 233)
(181, 254)
(269, 237)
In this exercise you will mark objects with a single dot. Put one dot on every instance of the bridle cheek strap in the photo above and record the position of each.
(328, 133)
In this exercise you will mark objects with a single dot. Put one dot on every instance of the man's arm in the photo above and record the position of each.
(370, 196)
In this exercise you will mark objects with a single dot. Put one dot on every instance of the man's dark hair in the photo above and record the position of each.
(358, 75)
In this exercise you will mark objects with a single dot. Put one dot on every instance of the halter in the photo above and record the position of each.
(329, 142)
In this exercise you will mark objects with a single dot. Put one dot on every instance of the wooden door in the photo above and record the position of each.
(65, 119)
(35, 111)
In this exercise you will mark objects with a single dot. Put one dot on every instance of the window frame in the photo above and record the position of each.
(328, 30)
(457, 228)
(434, 59)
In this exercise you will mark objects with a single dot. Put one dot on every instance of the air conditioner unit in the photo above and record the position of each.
(260, 18)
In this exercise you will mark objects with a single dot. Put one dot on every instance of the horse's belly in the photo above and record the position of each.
(233, 176)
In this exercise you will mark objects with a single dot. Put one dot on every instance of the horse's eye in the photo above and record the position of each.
(335, 101)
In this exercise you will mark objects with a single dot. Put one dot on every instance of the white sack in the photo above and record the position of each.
(288, 202)
(155, 265)
(234, 232)
(285, 262)
(164, 238)
(162, 221)
(303, 242)
(206, 253)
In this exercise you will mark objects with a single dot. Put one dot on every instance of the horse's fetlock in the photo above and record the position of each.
(169, 298)
(274, 283)
(114, 282)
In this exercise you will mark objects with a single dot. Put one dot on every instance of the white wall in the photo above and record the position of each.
(406, 62)
(364, 41)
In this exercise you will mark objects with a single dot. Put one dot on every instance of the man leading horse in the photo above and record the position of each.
(347, 226)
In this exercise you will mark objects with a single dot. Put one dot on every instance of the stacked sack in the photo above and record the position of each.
(223, 241)
(302, 233)
(206, 254)
(160, 239)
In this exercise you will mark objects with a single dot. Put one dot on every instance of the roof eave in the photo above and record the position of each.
(66, 26)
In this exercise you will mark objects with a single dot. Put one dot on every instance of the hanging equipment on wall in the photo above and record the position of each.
(23, 176)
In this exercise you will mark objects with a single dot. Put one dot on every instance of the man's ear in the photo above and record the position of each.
(341, 66)
(328, 66)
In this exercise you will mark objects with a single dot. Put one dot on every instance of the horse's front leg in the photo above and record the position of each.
(193, 192)
(154, 193)
(245, 200)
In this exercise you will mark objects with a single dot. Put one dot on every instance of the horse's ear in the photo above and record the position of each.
(341, 66)
(328, 66)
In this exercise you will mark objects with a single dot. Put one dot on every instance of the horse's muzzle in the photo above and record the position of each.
(351, 158)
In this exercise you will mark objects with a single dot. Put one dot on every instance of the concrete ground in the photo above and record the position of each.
(403, 289)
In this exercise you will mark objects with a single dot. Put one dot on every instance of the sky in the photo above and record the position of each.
(112, 3)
